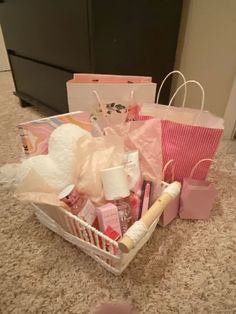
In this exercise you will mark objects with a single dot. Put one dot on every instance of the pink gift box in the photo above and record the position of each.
(108, 217)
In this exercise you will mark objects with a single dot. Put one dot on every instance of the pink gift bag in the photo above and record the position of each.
(197, 196)
(171, 211)
(188, 135)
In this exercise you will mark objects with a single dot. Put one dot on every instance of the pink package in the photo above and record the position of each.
(108, 216)
(172, 209)
(197, 197)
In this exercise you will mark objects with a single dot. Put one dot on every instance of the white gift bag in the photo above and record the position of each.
(111, 88)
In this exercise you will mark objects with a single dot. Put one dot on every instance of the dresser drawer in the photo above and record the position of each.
(41, 83)
(53, 32)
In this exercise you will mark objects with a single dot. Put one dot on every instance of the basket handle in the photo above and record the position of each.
(163, 82)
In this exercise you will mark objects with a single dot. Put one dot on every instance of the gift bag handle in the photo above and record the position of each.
(131, 99)
(100, 102)
(172, 170)
(163, 82)
(184, 84)
(197, 164)
(103, 107)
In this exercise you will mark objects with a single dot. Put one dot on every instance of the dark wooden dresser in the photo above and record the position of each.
(48, 40)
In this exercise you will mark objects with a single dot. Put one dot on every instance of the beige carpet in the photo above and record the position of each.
(188, 267)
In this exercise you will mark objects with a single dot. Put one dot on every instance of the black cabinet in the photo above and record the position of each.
(47, 41)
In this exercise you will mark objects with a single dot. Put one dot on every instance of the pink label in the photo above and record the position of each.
(88, 212)
(108, 216)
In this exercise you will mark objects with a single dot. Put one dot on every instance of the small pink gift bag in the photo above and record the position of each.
(197, 196)
(171, 211)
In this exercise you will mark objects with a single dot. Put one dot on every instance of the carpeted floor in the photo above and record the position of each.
(187, 267)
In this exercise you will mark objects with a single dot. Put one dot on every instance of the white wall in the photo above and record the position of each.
(4, 64)
(207, 51)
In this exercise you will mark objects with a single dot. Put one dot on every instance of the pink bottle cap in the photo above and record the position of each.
(66, 191)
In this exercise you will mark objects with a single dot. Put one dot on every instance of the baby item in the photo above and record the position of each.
(197, 196)
(132, 169)
(71, 196)
(171, 210)
(108, 217)
(116, 190)
(79, 203)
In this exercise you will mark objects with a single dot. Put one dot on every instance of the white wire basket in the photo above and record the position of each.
(91, 241)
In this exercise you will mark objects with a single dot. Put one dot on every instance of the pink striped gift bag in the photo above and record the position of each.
(196, 139)
(197, 196)
(188, 135)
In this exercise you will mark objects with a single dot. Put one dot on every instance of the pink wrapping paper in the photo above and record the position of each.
(93, 155)
(144, 136)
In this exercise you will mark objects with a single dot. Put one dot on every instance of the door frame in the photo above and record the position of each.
(230, 114)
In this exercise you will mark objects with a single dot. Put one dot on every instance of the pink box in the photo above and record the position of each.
(88, 213)
(108, 216)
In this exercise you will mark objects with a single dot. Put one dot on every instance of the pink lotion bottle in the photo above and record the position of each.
(116, 190)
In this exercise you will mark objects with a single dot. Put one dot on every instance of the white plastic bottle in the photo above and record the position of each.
(116, 190)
